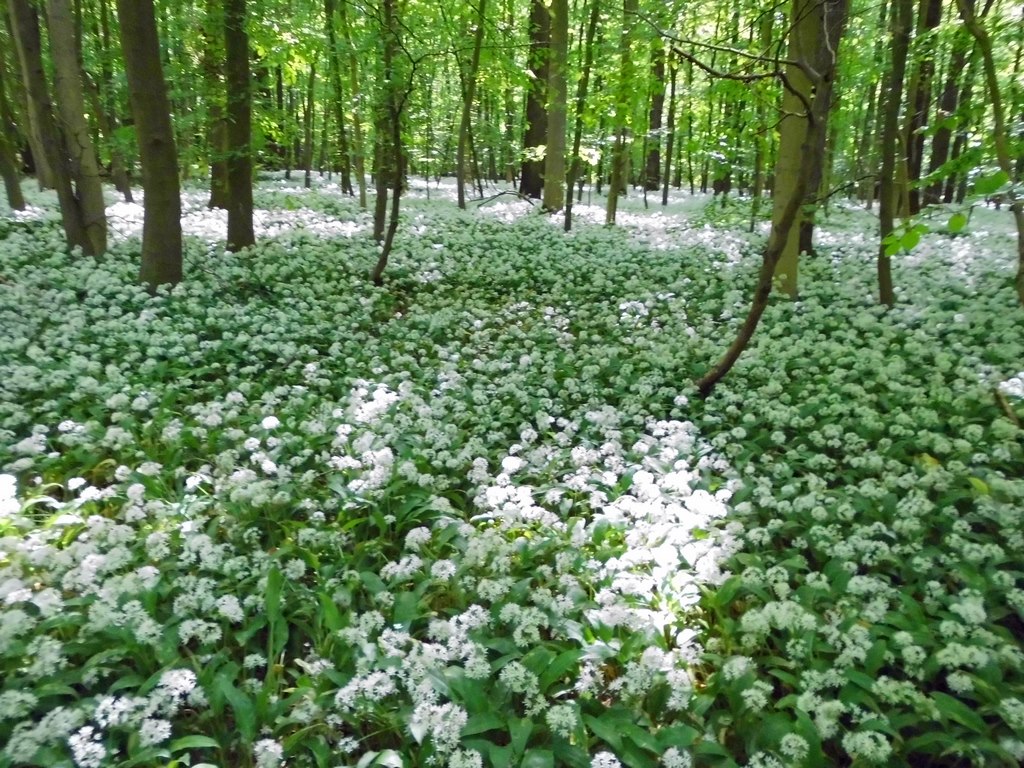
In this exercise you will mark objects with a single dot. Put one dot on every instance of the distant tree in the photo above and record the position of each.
(557, 107)
(161, 229)
(531, 180)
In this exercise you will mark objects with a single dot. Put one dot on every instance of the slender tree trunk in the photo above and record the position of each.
(25, 22)
(557, 108)
(782, 226)
(902, 23)
(620, 152)
(1000, 132)
(308, 128)
(161, 228)
(468, 97)
(239, 113)
(531, 179)
(334, 66)
(919, 96)
(216, 122)
(671, 129)
(106, 108)
(358, 144)
(575, 167)
(389, 121)
(948, 104)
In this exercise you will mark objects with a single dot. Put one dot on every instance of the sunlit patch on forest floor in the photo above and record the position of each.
(478, 516)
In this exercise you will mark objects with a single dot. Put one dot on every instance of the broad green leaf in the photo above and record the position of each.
(910, 239)
(989, 183)
(559, 667)
(481, 723)
(606, 729)
(519, 729)
(956, 223)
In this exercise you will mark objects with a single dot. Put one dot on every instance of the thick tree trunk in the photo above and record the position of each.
(70, 98)
(531, 179)
(468, 97)
(54, 152)
(8, 147)
(902, 23)
(812, 43)
(557, 108)
(161, 228)
(239, 114)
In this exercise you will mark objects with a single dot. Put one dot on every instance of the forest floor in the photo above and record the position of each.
(479, 515)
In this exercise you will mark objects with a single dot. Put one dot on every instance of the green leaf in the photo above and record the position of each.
(194, 742)
(373, 583)
(559, 667)
(519, 729)
(606, 729)
(956, 223)
(538, 758)
(989, 183)
(910, 239)
(677, 736)
(481, 723)
(241, 707)
(958, 712)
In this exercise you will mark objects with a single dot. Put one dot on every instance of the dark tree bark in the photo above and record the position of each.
(670, 138)
(308, 112)
(531, 179)
(557, 107)
(389, 149)
(8, 147)
(652, 171)
(161, 228)
(948, 103)
(216, 120)
(919, 96)
(239, 114)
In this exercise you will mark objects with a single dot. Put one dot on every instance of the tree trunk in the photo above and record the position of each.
(783, 225)
(1000, 131)
(239, 112)
(620, 152)
(575, 167)
(902, 23)
(334, 66)
(216, 122)
(946, 108)
(25, 22)
(671, 129)
(308, 128)
(557, 108)
(652, 170)
(468, 97)
(358, 144)
(919, 96)
(389, 122)
(8, 147)
(70, 98)
(531, 179)
(106, 108)
(161, 228)
(812, 42)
